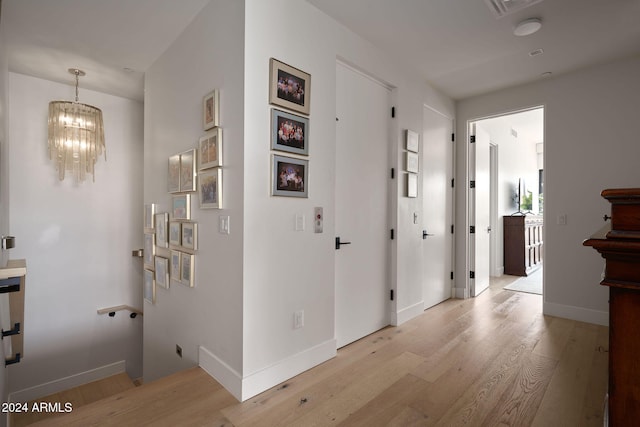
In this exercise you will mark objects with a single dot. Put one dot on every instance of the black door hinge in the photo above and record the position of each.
(472, 275)
(391, 295)
(392, 234)
(472, 184)
(453, 137)
(452, 228)
(393, 173)
(472, 139)
(393, 112)
(472, 229)
(453, 182)
(452, 275)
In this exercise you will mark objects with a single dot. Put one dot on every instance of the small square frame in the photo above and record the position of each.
(175, 263)
(190, 235)
(181, 206)
(211, 109)
(188, 170)
(162, 271)
(149, 212)
(173, 174)
(210, 189)
(187, 269)
(149, 286)
(175, 233)
(210, 149)
(162, 221)
(412, 141)
(149, 250)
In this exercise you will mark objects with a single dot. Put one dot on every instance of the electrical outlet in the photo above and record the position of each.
(179, 350)
(298, 319)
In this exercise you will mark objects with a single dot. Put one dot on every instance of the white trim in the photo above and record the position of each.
(407, 314)
(576, 313)
(67, 383)
(221, 372)
(461, 293)
(263, 379)
(270, 376)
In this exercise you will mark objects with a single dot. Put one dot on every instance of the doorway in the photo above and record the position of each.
(515, 170)
(362, 204)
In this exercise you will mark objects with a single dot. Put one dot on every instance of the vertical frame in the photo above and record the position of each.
(173, 174)
(188, 170)
(211, 109)
(149, 250)
(210, 149)
(181, 206)
(210, 189)
(162, 220)
(176, 263)
(162, 271)
(188, 269)
(149, 212)
(190, 235)
(149, 287)
(175, 233)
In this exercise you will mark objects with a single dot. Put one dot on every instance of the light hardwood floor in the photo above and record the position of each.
(490, 361)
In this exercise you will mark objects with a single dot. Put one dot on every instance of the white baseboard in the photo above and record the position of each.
(576, 313)
(406, 314)
(221, 372)
(461, 293)
(67, 383)
(253, 384)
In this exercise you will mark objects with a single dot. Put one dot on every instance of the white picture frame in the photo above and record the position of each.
(412, 163)
(162, 271)
(412, 141)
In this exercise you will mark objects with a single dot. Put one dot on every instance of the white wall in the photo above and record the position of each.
(207, 55)
(590, 144)
(76, 238)
(273, 289)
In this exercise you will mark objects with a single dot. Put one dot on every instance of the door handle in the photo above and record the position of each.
(489, 229)
(425, 234)
(339, 243)
(137, 253)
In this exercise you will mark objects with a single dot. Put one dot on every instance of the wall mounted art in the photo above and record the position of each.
(289, 132)
(289, 87)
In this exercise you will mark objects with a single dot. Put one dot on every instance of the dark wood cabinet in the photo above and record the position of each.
(619, 245)
(522, 244)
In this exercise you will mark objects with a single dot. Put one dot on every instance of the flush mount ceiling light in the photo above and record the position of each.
(527, 27)
(76, 136)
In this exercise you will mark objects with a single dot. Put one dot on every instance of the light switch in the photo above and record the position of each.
(299, 222)
(223, 224)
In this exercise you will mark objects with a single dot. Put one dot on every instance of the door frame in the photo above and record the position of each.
(469, 251)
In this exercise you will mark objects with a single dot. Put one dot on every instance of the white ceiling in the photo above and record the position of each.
(459, 46)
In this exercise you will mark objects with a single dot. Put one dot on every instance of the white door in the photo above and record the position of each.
(481, 219)
(362, 194)
(437, 206)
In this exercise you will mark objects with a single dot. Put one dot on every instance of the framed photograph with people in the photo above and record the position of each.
(210, 149)
(210, 189)
(289, 87)
(289, 176)
(289, 132)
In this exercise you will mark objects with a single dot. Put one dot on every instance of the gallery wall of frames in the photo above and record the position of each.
(171, 238)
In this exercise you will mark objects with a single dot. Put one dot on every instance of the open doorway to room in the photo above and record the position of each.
(509, 152)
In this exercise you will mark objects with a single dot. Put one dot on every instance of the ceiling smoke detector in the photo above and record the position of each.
(527, 27)
(501, 8)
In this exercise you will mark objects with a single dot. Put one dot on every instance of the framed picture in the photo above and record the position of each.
(289, 177)
(162, 221)
(210, 189)
(412, 141)
(181, 206)
(149, 287)
(149, 250)
(289, 87)
(188, 170)
(149, 212)
(176, 258)
(412, 185)
(210, 148)
(190, 235)
(210, 109)
(411, 162)
(289, 132)
(162, 271)
(173, 175)
(175, 233)
(187, 269)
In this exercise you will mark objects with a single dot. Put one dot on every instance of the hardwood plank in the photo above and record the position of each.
(493, 360)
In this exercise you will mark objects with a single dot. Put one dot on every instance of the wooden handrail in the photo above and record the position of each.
(112, 310)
